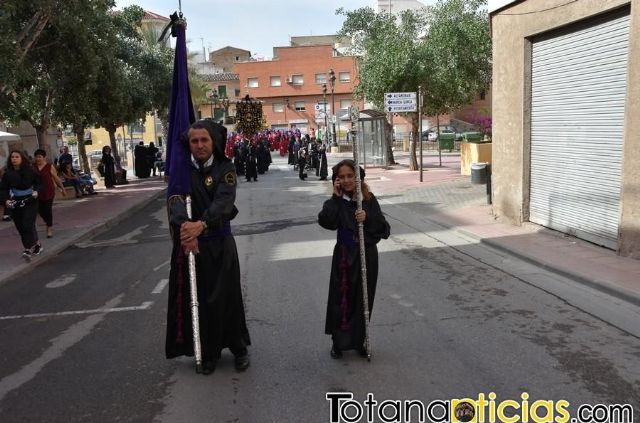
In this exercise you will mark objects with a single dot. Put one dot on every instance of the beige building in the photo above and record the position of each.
(566, 132)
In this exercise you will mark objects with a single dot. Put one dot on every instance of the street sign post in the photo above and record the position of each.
(400, 102)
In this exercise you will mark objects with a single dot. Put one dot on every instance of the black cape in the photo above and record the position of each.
(222, 316)
(345, 320)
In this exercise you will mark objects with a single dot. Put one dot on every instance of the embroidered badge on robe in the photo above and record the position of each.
(208, 181)
(230, 178)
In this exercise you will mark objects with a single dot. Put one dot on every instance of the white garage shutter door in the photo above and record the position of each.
(577, 121)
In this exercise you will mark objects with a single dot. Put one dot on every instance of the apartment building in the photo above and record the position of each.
(290, 85)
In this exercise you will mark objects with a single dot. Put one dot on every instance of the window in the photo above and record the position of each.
(252, 83)
(237, 92)
(237, 58)
(345, 104)
(300, 106)
(297, 79)
(278, 108)
(344, 77)
(275, 81)
(321, 78)
(222, 91)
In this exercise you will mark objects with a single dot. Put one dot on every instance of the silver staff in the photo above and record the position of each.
(195, 317)
(355, 115)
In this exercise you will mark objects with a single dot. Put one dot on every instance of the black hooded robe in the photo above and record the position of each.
(221, 311)
(345, 314)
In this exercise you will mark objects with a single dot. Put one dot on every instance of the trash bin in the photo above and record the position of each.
(447, 141)
(475, 137)
(478, 173)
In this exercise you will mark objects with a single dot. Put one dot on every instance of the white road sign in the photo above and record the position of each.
(400, 102)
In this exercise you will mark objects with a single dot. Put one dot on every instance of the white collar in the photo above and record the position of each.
(195, 163)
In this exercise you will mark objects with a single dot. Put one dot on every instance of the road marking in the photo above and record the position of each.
(121, 240)
(160, 286)
(145, 305)
(160, 266)
(62, 281)
(67, 339)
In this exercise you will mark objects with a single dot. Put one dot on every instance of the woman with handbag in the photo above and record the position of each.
(19, 191)
(345, 312)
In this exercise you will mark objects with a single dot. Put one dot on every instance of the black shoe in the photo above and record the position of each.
(208, 367)
(242, 362)
(335, 353)
(363, 352)
(36, 250)
(6, 218)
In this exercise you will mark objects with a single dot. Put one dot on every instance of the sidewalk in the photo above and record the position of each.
(450, 200)
(75, 220)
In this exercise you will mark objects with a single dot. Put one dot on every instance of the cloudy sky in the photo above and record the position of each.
(254, 25)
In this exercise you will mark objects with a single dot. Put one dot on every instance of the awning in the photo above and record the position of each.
(6, 136)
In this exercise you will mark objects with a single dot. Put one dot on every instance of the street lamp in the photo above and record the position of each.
(332, 83)
(324, 101)
(225, 105)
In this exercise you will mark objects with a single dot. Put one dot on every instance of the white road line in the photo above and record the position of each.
(62, 281)
(160, 266)
(160, 286)
(67, 339)
(145, 305)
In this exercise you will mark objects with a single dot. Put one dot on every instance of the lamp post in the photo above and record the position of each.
(332, 83)
(286, 106)
(324, 101)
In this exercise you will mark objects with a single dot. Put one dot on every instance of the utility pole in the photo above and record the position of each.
(420, 126)
(332, 82)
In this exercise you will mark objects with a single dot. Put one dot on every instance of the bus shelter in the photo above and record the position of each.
(372, 137)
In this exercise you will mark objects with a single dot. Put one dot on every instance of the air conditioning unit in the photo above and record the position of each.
(290, 80)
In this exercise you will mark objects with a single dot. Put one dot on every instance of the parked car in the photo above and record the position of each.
(430, 134)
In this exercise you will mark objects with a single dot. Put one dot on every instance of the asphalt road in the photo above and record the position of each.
(83, 334)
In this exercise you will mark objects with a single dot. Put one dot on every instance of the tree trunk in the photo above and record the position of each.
(413, 161)
(41, 133)
(82, 151)
(111, 129)
(388, 133)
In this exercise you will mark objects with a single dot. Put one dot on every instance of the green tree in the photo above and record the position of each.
(446, 49)
(456, 54)
(387, 52)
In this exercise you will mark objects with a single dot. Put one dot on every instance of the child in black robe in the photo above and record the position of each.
(345, 313)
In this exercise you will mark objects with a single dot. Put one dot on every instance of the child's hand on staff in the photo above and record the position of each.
(361, 216)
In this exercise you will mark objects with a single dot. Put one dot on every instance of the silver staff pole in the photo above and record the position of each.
(195, 317)
(355, 115)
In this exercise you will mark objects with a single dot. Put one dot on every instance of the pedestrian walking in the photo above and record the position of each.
(345, 313)
(208, 235)
(49, 181)
(19, 192)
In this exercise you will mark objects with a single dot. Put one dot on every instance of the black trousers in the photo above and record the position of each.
(45, 210)
(24, 218)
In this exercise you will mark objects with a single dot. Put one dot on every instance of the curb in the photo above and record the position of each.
(602, 286)
(82, 235)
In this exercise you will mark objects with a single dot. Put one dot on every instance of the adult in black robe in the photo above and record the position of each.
(292, 142)
(323, 162)
(345, 314)
(109, 165)
(261, 157)
(251, 171)
(221, 311)
(152, 156)
(141, 161)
